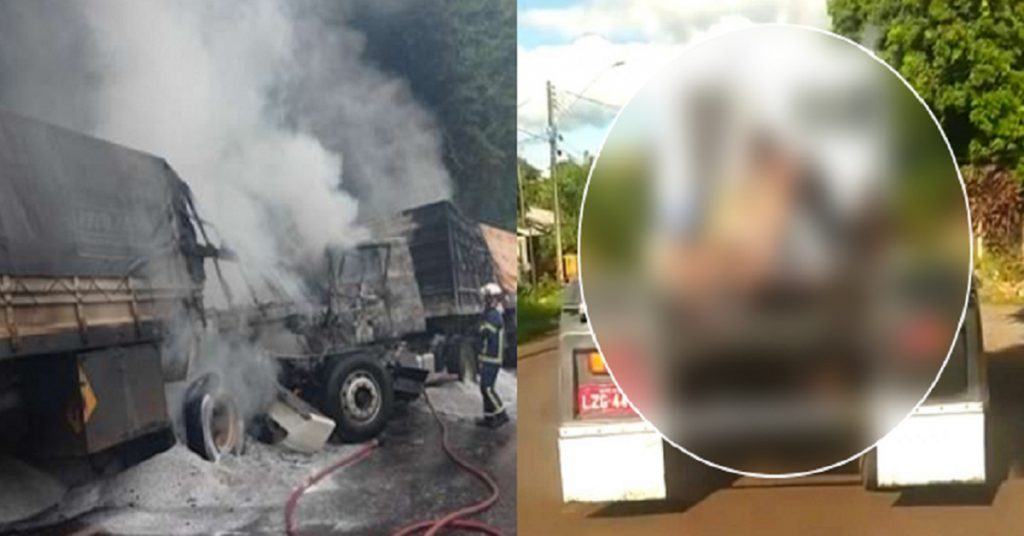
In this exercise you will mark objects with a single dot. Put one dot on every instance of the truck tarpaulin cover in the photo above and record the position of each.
(75, 205)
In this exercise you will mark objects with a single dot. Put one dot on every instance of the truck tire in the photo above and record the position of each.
(869, 470)
(359, 397)
(213, 423)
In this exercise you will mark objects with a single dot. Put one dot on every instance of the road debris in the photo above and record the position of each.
(304, 428)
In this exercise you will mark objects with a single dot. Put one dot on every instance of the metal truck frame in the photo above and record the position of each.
(103, 266)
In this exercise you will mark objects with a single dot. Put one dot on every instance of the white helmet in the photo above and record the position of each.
(490, 290)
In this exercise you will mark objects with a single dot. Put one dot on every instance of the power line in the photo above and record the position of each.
(590, 84)
(532, 135)
(580, 96)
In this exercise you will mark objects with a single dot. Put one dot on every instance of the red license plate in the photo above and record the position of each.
(603, 398)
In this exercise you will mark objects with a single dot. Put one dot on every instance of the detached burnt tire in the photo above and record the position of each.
(359, 397)
(213, 423)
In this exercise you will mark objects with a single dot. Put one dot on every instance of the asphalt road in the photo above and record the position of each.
(834, 503)
(410, 479)
(405, 480)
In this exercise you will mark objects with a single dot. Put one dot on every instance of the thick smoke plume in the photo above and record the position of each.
(264, 107)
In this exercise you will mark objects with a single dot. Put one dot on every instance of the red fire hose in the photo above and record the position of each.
(293, 499)
(455, 519)
(431, 526)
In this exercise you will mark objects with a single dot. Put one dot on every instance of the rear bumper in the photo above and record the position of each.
(937, 444)
(605, 461)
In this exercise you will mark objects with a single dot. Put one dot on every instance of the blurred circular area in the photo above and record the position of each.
(775, 250)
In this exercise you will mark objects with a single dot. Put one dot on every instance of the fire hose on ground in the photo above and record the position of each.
(430, 527)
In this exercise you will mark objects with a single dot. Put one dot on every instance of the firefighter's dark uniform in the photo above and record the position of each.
(492, 336)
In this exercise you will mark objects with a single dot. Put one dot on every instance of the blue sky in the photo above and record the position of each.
(584, 124)
(530, 37)
(573, 43)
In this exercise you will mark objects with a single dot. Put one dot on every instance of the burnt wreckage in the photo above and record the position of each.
(105, 273)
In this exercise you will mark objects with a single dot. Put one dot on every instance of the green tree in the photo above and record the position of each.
(460, 60)
(538, 192)
(966, 60)
(964, 57)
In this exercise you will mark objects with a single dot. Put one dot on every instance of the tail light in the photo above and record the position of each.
(595, 363)
(923, 337)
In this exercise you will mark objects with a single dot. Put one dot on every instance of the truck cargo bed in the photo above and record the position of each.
(48, 315)
(96, 240)
(450, 257)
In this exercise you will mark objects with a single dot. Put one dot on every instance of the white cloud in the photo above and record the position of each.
(644, 34)
(584, 66)
(667, 20)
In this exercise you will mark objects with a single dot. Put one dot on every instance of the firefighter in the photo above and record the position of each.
(492, 345)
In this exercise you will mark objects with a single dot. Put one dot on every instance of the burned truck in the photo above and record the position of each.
(105, 326)
(415, 285)
(109, 330)
(392, 310)
(98, 251)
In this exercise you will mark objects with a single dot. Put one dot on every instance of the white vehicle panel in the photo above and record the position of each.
(937, 444)
(602, 462)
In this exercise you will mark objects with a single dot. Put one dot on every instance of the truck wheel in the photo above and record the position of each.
(359, 397)
(869, 470)
(213, 423)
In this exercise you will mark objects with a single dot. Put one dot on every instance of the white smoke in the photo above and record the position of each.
(190, 82)
(392, 145)
(253, 104)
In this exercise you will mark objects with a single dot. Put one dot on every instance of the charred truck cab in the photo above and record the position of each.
(395, 309)
(451, 258)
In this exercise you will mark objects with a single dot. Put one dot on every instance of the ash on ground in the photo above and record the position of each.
(177, 492)
(462, 400)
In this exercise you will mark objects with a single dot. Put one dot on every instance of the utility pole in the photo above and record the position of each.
(524, 224)
(553, 142)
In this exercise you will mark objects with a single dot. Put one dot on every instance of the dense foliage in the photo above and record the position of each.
(964, 57)
(966, 60)
(460, 60)
(539, 192)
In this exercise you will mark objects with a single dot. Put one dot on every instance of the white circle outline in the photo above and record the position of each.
(970, 262)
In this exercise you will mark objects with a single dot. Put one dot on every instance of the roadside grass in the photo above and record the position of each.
(1000, 279)
(537, 312)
